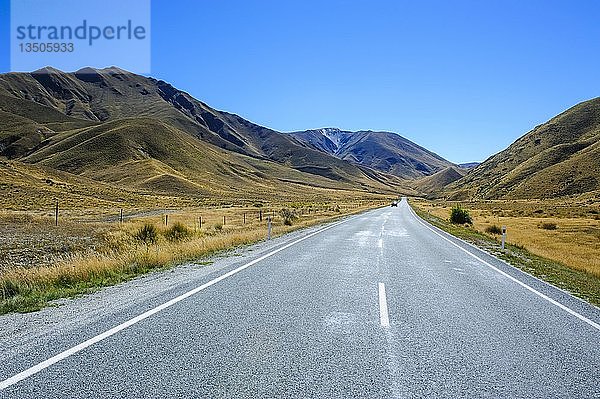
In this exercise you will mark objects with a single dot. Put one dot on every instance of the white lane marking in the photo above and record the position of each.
(78, 348)
(522, 284)
(380, 243)
(458, 269)
(447, 261)
(384, 317)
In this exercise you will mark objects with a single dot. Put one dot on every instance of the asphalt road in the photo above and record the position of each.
(380, 305)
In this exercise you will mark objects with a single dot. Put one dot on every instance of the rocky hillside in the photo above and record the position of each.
(383, 151)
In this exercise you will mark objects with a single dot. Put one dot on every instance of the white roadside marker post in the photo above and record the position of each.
(503, 236)
(269, 228)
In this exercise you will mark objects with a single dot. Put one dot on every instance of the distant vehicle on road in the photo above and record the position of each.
(394, 203)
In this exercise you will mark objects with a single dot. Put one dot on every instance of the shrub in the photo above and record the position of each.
(177, 232)
(218, 226)
(493, 229)
(459, 215)
(289, 216)
(548, 226)
(148, 234)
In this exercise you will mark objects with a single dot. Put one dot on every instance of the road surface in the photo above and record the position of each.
(379, 305)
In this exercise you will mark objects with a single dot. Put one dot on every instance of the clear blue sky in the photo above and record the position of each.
(462, 78)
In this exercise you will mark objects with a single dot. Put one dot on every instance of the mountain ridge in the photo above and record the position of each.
(46, 110)
(560, 157)
(384, 151)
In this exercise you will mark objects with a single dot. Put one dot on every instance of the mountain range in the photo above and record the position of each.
(107, 128)
(121, 129)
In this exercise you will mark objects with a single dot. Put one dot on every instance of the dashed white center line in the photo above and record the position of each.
(384, 318)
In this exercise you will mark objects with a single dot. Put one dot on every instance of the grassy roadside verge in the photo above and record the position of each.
(31, 289)
(579, 283)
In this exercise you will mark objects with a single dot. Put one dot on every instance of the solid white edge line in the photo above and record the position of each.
(533, 290)
(384, 317)
(69, 352)
(539, 280)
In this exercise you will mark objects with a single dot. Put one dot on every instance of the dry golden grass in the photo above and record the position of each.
(31, 238)
(575, 242)
(117, 255)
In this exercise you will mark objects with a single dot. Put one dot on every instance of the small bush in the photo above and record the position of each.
(548, 226)
(493, 229)
(218, 226)
(148, 234)
(177, 232)
(459, 215)
(289, 216)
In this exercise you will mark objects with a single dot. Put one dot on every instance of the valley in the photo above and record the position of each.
(98, 142)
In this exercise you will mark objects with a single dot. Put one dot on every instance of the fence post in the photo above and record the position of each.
(503, 236)
(166, 220)
(224, 220)
(200, 222)
(260, 215)
(244, 217)
(121, 216)
(269, 228)
(56, 214)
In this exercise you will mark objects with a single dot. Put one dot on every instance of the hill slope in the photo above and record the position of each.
(383, 151)
(111, 126)
(98, 96)
(558, 158)
(439, 180)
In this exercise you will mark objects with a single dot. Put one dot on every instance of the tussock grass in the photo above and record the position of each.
(548, 226)
(493, 229)
(565, 232)
(568, 257)
(27, 289)
(140, 246)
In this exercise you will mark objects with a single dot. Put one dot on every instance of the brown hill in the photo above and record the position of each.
(111, 126)
(438, 181)
(97, 96)
(558, 158)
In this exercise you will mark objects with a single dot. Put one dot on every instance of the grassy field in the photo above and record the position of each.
(557, 241)
(565, 232)
(40, 262)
